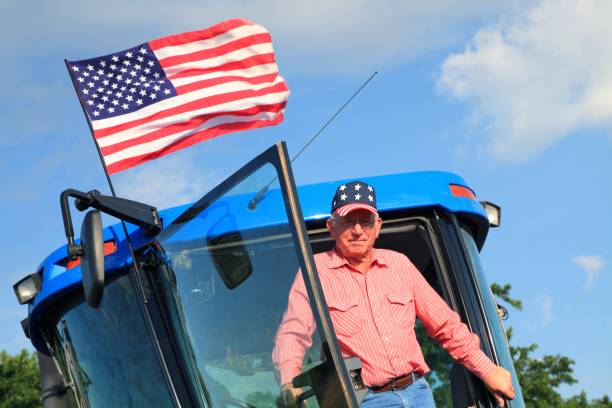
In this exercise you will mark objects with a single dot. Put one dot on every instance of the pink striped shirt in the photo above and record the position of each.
(373, 316)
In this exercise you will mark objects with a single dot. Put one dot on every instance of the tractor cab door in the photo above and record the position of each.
(223, 271)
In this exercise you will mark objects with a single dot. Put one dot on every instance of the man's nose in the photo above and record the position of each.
(357, 228)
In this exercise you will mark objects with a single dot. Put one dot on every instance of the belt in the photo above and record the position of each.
(398, 383)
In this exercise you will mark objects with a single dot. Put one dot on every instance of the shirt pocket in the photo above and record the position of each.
(346, 316)
(401, 308)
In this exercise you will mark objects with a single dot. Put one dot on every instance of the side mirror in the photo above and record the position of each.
(92, 259)
(502, 312)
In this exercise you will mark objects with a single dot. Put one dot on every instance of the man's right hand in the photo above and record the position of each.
(288, 396)
(499, 383)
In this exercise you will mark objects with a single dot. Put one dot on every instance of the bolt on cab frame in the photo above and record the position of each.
(189, 317)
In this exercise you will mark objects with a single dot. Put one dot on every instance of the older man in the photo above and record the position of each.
(374, 296)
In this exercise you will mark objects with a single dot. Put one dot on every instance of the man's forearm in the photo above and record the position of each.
(294, 335)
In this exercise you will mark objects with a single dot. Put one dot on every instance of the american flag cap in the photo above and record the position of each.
(352, 196)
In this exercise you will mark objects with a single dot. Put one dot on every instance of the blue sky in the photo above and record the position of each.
(515, 97)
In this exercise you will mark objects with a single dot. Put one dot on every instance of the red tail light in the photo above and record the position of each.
(461, 191)
(109, 248)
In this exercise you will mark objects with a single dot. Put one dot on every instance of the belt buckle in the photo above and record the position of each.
(402, 387)
(393, 384)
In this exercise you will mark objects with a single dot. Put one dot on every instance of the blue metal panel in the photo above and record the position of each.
(394, 192)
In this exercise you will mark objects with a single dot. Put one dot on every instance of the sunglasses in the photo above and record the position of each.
(349, 222)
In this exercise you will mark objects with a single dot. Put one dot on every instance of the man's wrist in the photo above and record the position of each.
(480, 365)
(287, 374)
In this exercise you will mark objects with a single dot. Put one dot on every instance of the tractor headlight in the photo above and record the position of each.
(493, 213)
(27, 288)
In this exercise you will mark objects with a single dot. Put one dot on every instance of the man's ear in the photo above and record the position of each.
(378, 226)
(330, 224)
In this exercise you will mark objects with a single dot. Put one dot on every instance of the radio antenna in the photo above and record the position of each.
(334, 116)
(253, 203)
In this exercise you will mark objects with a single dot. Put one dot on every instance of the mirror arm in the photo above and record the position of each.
(140, 214)
(73, 250)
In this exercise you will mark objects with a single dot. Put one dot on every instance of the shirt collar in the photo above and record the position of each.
(338, 260)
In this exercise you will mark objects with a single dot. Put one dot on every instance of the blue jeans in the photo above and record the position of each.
(416, 395)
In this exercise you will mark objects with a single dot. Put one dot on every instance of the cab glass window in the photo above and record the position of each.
(225, 276)
(496, 326)
(108, 354)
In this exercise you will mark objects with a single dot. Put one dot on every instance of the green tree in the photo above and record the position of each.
(540, 377)
(440, 363)
(580, 401)
(503, 292)
(19, 380)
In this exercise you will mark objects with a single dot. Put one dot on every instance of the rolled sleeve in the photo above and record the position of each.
(294, 335)
(444, 325)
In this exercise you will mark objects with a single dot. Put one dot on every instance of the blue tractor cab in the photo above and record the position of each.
(180, 307)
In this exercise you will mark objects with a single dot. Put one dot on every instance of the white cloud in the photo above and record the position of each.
(591, 264)
(536, 76)
(545, 304)
(316, 36)
(164, 183)
(348, 36)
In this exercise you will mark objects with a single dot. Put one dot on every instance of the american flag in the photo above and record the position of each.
(167, 94)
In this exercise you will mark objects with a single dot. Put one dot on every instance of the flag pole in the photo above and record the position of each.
(110, 183)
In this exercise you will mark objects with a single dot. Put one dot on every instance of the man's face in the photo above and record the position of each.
(355, 233)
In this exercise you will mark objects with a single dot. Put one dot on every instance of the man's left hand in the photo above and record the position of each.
(499, 383)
